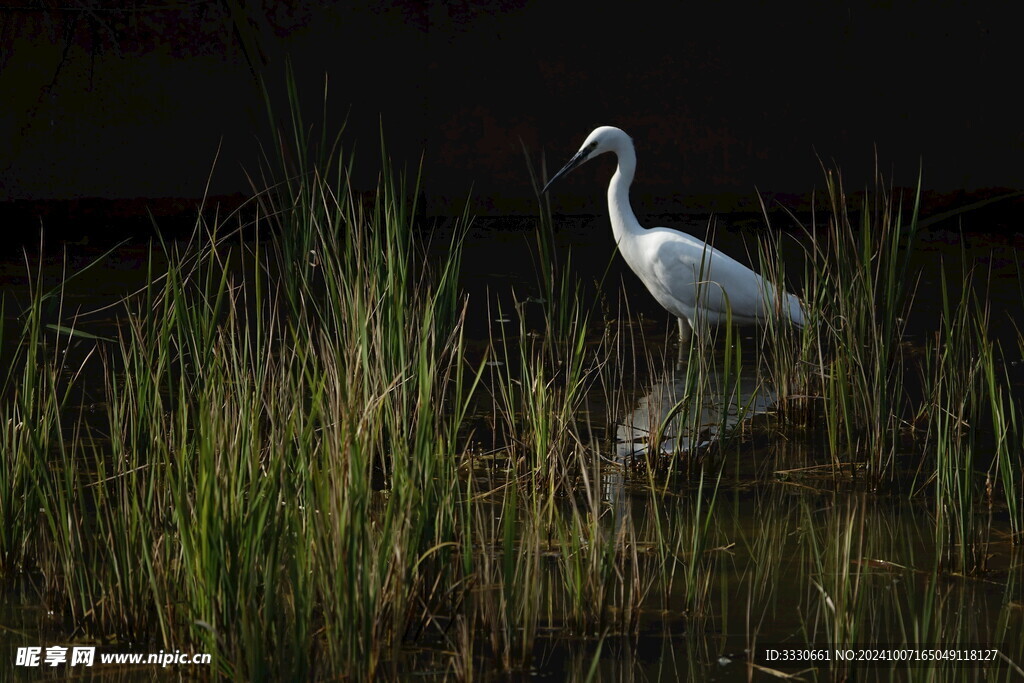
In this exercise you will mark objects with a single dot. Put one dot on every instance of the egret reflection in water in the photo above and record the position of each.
(691, 406)
(685, 411)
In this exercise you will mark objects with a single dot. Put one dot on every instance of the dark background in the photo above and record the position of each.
(131, 101)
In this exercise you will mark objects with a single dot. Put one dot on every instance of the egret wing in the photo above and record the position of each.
(704, 279)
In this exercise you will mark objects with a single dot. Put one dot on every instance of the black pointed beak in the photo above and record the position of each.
(578, 159)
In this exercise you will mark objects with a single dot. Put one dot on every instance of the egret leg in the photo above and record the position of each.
(685, 333)
(685, 330)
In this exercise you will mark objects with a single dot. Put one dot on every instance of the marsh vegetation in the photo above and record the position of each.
(287, 450)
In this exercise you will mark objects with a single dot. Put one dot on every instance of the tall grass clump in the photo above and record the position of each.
(273, 475)
(541, 377)
(376, 339)
(858, 292)
(972, 429)
(37, 390)
(944, 416)
(1005, 412)
(538, 381)
(29, 426)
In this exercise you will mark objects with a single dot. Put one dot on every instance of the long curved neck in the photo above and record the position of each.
(624, 222)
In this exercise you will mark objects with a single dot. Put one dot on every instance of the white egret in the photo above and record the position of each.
(691, 279)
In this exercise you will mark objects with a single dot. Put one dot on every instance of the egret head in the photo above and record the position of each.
(602, 139)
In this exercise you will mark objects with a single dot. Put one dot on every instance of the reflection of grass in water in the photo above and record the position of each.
(845, 569)
(278, 472)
